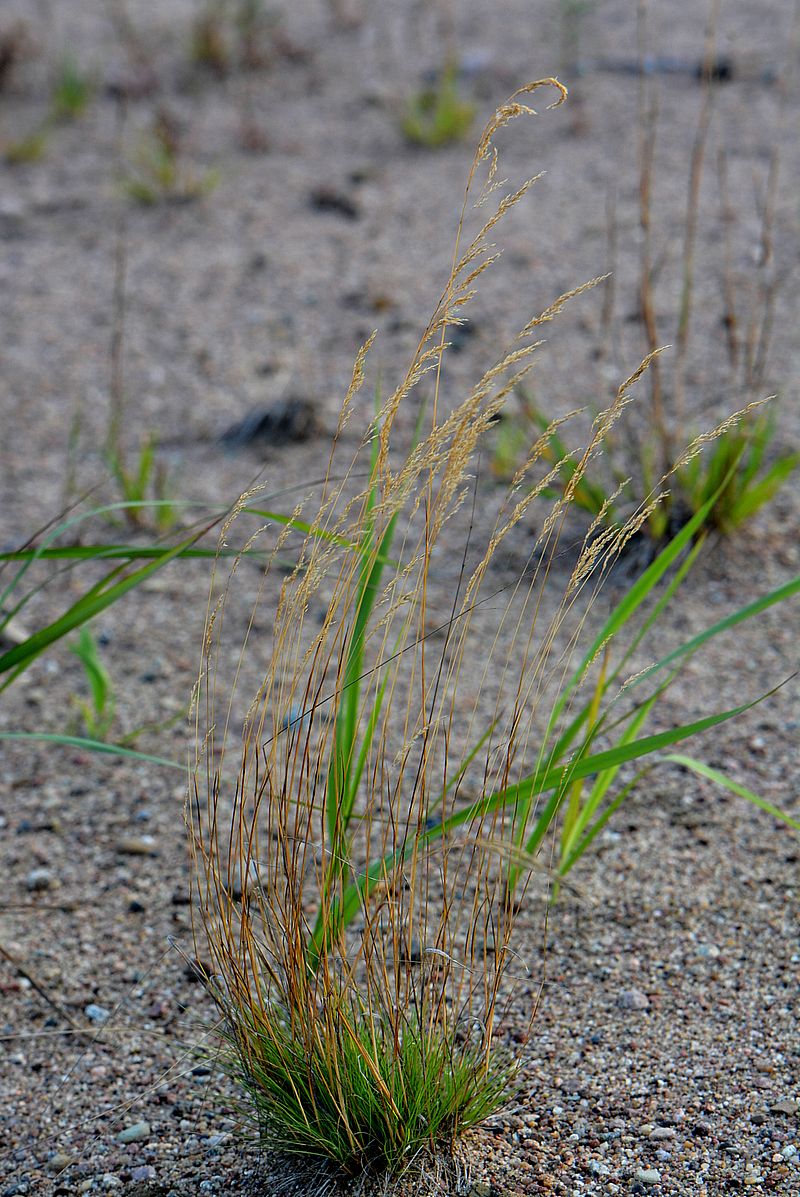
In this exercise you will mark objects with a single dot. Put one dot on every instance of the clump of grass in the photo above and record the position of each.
(72, 91)
(366, 820)
(209, 46)
(342, 767)
(361, 1094)
(234, 35)
(71, 94)
(30, 148)
(159, 173)
(98, 713)
(438, 114)
(739, 469)
(144, 487)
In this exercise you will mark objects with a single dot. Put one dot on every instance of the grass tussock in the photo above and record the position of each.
(403, 1084)
(367, 814)
(438, 115)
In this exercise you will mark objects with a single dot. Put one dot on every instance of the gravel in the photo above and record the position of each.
(664, 1055)
(135, 1133)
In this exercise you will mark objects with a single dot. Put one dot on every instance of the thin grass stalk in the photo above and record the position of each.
(697, 163)
(114, 449)
(730, 318)
(771, 278)
(648, 123)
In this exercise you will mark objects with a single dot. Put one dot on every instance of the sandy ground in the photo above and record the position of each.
(664, 1057)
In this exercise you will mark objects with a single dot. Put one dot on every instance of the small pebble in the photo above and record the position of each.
(633, 999)
(145, 1172)
(135, 1133)
(411, 954)
(295, 716)
(57, 1161)
(786, 1105)
(648, 1176)
(13, 633)
(40, 879)
(252, 885)
(137, 845)
(97, 1014)
(662, 1132)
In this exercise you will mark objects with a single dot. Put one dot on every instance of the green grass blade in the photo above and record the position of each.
(721, 779)
(568, 736)
(556, 777)
(674, 584)
(145, 468)
(631, 602)
(356, 773)
(28, 556)
(597, 827)
(647, 744)
(97, 599)
(371, 570)
(756, 496)
(298, 525)
(99, 682)
(94, 746)
(343, 910)
(605, 779)
(779, 595)
(601, 726)
(110, 552)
